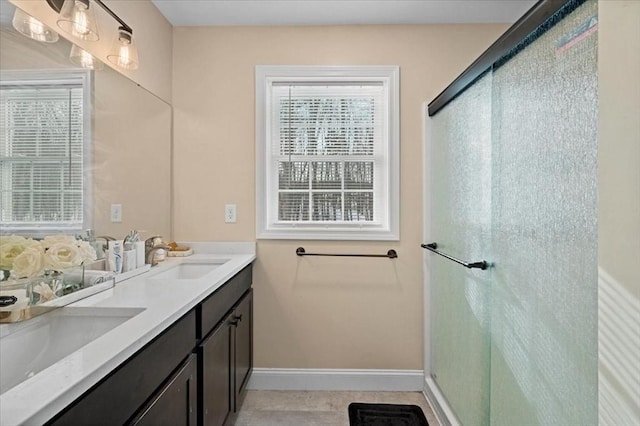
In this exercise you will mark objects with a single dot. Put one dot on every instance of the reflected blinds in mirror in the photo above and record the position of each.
(41, 154)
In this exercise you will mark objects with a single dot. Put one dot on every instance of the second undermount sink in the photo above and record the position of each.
(31, 346)
(189, 270)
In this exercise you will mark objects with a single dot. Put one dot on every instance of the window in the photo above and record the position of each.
(327, 152)
(44, 151)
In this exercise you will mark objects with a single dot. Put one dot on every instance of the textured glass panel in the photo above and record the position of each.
(544, 308)
(358, 175)
(327, 206)
(460, 224)
(327, 175)
(293, 206)
(358, 206)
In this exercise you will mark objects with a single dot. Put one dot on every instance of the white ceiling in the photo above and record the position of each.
(339, 12)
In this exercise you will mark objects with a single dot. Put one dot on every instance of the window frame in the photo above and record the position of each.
(85, 78)
(267, 228)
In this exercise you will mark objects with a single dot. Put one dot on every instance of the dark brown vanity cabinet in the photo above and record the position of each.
(193, 373)
(242, 348)
(215, 368)
(176, 404)
(226, 355)
(120, 396)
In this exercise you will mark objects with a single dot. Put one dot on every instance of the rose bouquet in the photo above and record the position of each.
(27, 258)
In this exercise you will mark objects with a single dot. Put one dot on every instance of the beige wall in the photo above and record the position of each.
(131, 158)
(310, 312)
(619, 211)
(152, 32)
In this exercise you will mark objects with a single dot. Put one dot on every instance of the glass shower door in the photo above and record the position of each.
(544, 302)
(460, 225)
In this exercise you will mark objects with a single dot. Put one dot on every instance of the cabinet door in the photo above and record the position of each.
(176, 403)
(243, 359)
(119, 396)
(216, 391)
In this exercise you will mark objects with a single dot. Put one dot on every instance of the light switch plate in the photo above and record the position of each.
(230, 213)
(116, 213)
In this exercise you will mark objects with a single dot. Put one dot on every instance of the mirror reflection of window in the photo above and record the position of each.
(45, 139)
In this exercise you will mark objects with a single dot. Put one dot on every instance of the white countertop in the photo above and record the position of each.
(40, 397)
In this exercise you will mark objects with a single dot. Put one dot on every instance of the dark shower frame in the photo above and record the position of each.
(529, 27)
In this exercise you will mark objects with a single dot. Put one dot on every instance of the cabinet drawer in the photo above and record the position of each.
(121, 394)
(213, 309)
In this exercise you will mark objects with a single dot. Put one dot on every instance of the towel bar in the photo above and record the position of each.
(391, 254)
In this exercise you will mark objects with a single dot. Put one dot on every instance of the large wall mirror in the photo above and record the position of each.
(102, 141)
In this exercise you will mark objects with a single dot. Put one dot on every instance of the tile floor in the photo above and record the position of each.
(316, 408)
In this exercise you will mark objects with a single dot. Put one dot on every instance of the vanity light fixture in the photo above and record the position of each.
(84, 59)
(29, 26)
(76, 18)
(123, 53)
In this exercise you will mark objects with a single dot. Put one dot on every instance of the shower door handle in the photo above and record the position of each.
(471, 265)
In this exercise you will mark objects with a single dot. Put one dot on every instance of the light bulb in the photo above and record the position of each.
(124, 53)
(80, 27)
(35, 26)
(84, 59)
(77, 18)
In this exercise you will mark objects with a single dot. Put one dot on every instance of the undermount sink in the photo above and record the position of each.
(189, 271)
(29, 347)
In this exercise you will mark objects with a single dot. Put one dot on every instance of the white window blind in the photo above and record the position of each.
(42, 143)
(329, 156)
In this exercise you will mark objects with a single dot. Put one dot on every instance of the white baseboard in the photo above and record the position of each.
(439, 404)
(336, 380)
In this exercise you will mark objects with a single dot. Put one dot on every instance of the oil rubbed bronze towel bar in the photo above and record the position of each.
(391, 254)
(433, 246)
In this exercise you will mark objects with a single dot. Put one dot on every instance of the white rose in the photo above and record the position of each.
(11, 239)
(30, 262)
(54, 239)
(11, 247)
(62, 255)
(87, 253)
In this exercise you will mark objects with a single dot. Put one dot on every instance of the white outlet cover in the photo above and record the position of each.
(116, 213)
(230, 213)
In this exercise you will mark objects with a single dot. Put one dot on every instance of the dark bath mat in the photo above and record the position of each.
(362, 414)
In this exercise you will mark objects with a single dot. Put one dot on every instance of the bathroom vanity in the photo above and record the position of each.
(183, 356)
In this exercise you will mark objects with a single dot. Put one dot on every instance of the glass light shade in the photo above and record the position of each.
(77, 18)
(123, 53)
(84, 59)
(29, 26)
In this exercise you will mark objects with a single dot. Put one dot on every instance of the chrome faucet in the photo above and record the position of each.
(100, 248)
(151, 246)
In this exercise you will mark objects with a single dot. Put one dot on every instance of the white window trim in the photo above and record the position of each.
(265, 75)
(13, 77)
